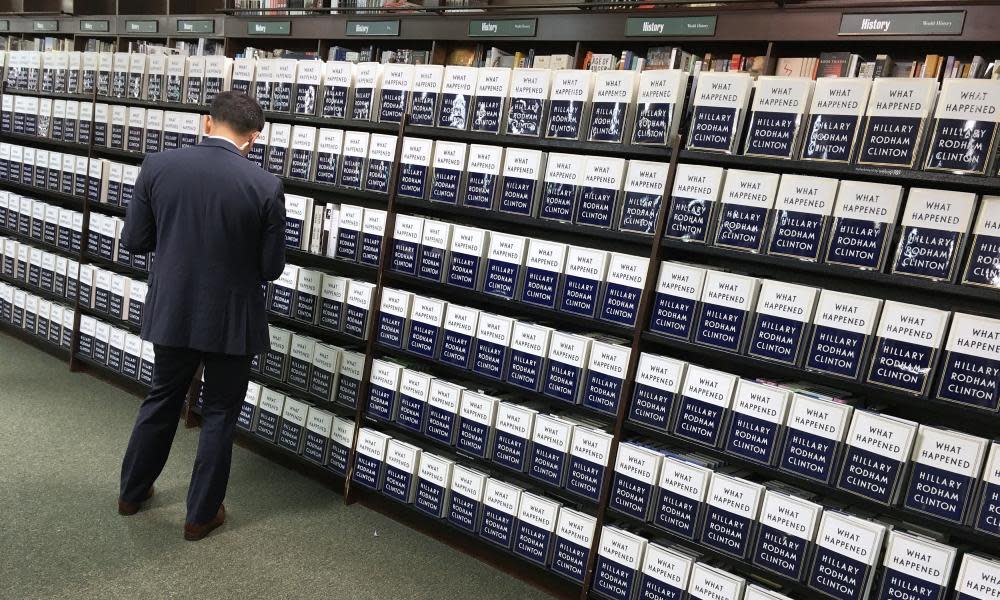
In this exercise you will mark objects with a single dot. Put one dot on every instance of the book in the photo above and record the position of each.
(657, 384)
(756, 426)
(504, 260)
(156, 72)
(529, 95)
(568, 357)
(367, 80)
(243, 76)
(282, 79)
(906, 346)
(599, 193)
(619, 558)
(612, 110)
(719, 107)
(414, 167)
(605, 376)
(269, 411)
(693, 200)
(682, 491)
(358, 308)
(776, 116)
(878, 449)
(325, 371)
(355, 152)
(448, 168)
(564, 174)
(218, 77)
(383, 390)
(491, 95)
(623, 287)
(104, 65)
(569, 102)
(945, 466)
(835, 114)
(434, 477)
(394, 93)
(394, 313)
(802, 210)
(442, 411)
(369, 460)
(549, 454)
(747, 204)
(535, 528)
(435, 244)
(406, 243)
(969, 355)
(585, 272)
(847, 550)
(291, 430)
(704, 405)
(482, 176)
(544, 262)
(414, 392)
(727, 301)
(258, 151)
(500, 512)
(136, 129)
(333, 298)
(174, 81)
(303, 152)
(843, 326)
(491, 345)
(381, 158)
(319, 428)
(457, 92)
(476, 422)
(329, 148)
(981, 265)
(120, 74)
(298, 222)
(427, 88)
(401, 464)
(308, 291)
(263, 80)
(644, 189)
(934, 227)
(915, 562)
(340, 450)
(729, 526)
(153, 138)
(194, 81)
(781, 324)
(895, 121)
(465, 505)
(338, 79)
(863, 218)
(519, 189)
(278, 148)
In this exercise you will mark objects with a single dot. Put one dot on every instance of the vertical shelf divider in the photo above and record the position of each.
(383, 261)
(84, 238)
(642, 318)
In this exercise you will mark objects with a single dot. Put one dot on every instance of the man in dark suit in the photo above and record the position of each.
(217, 224)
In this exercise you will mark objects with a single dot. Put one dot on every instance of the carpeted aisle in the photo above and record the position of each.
(287, 536)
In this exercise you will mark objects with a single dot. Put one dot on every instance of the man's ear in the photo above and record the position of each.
(206, 126)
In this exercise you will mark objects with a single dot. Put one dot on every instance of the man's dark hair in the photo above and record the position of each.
(240, 112)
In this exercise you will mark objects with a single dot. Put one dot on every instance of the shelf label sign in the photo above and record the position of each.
(101, 25)
(908, 23)
(670, 26)
(388, 28)
(502, 27)
(195, 26)
(46, 25)
(142, 26)
(269, 28)
(5, 25)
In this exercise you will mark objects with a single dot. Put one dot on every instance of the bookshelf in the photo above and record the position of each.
(771, 33)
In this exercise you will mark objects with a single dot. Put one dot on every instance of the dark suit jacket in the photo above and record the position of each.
(217, 224)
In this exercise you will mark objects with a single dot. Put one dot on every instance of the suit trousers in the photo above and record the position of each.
(226, 377)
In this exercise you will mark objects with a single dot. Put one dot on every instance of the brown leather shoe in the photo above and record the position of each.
(128, 509)
(193, 533)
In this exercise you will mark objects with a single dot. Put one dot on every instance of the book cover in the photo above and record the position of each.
(529, 347)
(660, 104)
(599, 191)
(268, 414)
(704, 406)
(500, 511)
(381, 158)
(406, 243)
(282, 79)
(448, 168)
(332, 301)
(156, 71)
(544, 263)
(863, 221)
(369, 459)
(777, 115)
(457, 92)
(564, 175)
(895, 121)
(325, 371)
(308, 291)
(589, 455)
(612, 107)
(786, 534)
(435, 245)
(568, 357)
(843, 326)
(678, 290)
(747, 204)
(291, 430)
(756, 427)
(934, 226)
(847, 551)
(414, 392)
(352, 172)
(243, 76)
(626, 278)
(434, 477)
(319, 428)
(442, 411)
(726, 304)
(514, 427)
(349, 232)
(466, 502)
(476, 422)
(906, 346)
(338, 79)
(529, 95)
(482, 176)
(619, 559)
(732, 508)
(915, 564)
(644, 189)
(606, 372)
(394, 94)
(414, 167)
(401, 463)
(781, 322)
(876, 457)
(427, 87)
(569, 102)
(535, 527)
(194, 82)
(505, 257)
(586, 270)
(801, 216)
(491, 347)
(834, 119)
(944, 468)
(971, 355)
(301, 163)
(174, 81)
(549, 455)
(657, 383)
(468, 247)
(367, 79)
(982, 267)
(340, 449)
(278, 144)
(218, 76)
(383, 390)
(358, 308)
(719, 107)
(963, 130)
(394, 313)
(329, 148)
(519, 190)
(680, 503)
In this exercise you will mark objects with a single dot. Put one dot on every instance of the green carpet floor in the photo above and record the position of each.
(287, 536)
